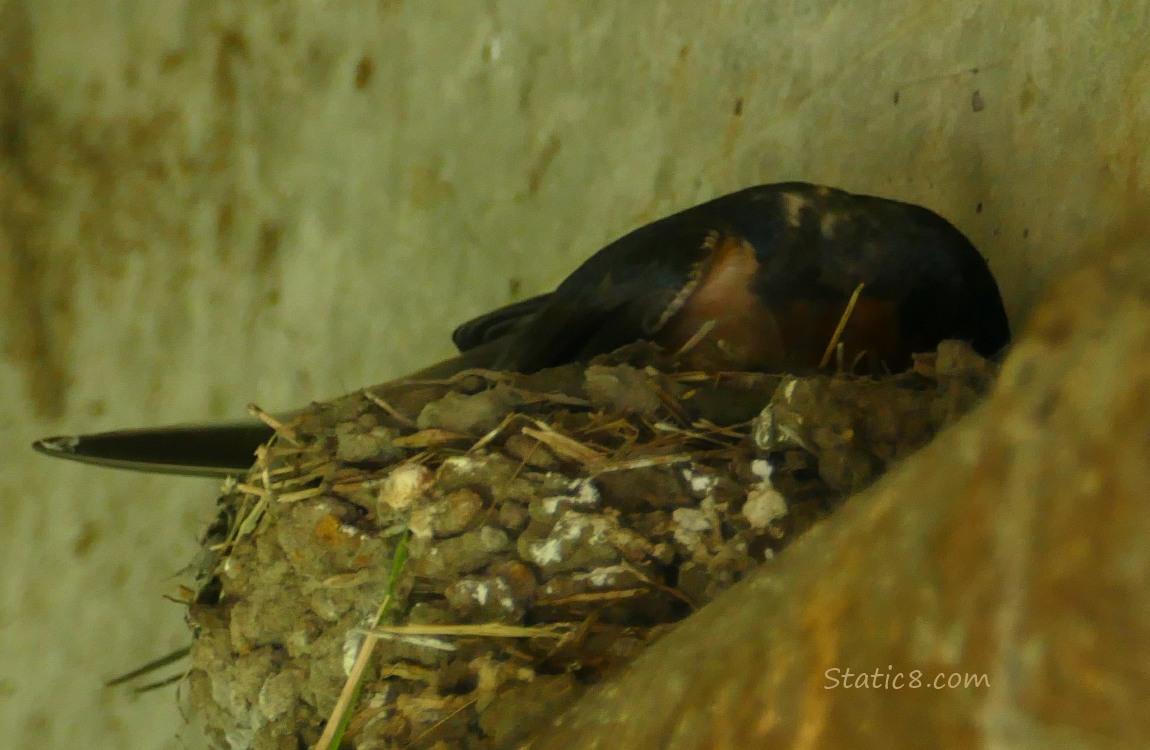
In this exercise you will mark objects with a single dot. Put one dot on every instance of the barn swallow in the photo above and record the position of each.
(755, 280)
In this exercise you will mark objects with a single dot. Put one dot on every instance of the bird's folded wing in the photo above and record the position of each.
(496, 324)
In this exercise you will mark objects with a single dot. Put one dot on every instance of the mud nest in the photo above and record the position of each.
(502, 541)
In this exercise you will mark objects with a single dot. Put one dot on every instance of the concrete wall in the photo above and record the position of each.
(210, 202)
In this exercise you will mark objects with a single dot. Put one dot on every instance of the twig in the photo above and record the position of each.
(281, 429)
(564, 446)
(341, 714)
(695, 339)
(485, 630)
(846, 316)
(151, 666)
(395, 414)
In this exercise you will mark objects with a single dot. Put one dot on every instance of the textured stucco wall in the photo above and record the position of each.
(210, 202)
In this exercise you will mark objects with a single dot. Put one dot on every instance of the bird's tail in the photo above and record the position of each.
(215, 449)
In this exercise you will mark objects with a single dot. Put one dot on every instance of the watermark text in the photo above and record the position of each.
(837, 678)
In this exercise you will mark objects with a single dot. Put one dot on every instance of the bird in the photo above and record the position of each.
(757, 280)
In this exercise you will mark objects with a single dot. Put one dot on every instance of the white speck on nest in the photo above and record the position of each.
(701, 484)
(599, 527)
(351, 531)
(569, 528)
(404, 486)
(461, 464)
(762, 468)
(690, 525)
(420, 523)
(765, 432)
(586, 493)
(764, 504)
(480, 592)
(789, 390)
(546, 552)
(691, 519)
(603, 577)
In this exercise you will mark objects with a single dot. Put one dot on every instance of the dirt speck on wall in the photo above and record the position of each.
(181, 181)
